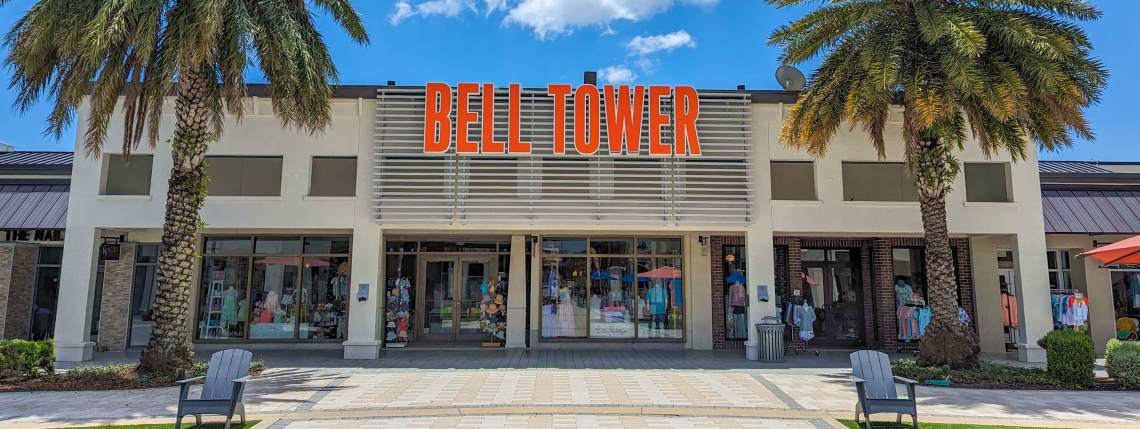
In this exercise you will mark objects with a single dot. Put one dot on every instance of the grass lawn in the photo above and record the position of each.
(892, 425)
(186, 425)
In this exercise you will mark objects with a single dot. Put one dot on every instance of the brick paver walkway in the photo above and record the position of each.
(497, 388)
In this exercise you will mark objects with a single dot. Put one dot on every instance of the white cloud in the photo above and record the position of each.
(548, 18)
(661, 42)
(554, 17)
(646, 65)
(617, 74)
(449, 8)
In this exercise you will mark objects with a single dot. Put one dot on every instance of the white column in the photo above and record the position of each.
(987, 294)
(698, 294)
(516, 294)
(760, 271)
(76, 295)
(1035, 309)
(363, 340)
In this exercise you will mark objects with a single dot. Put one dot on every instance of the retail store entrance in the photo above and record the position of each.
(833, 287)
(452, 291)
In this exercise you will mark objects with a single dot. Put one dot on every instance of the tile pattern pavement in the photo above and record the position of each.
(427, 383)
(553, 421)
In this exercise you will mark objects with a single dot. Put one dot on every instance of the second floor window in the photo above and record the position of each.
(246, 176)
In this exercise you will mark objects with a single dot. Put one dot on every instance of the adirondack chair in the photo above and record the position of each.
(876, 388)
(221, 394)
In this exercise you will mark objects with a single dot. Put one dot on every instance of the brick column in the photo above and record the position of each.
(115, 309)
(17, 289)
(868, 271)
(965, 278)
(719, 318)
(885, 311)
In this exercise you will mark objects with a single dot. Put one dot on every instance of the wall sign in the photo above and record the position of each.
(32, 234)
(627, 110)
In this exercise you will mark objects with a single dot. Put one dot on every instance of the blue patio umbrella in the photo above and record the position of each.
(737, 278)
(602, 275)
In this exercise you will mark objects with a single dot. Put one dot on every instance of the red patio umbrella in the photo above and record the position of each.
(291, 260)
(1121, 252)
(665, 272)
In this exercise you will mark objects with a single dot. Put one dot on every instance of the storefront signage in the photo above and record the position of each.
(625, 116)
(611, 330)
(32, 234)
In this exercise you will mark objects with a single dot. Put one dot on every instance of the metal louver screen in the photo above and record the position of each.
(543, 188)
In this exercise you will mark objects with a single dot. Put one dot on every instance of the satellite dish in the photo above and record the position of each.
(790, 78)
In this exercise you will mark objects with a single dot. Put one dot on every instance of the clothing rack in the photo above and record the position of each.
(909, 344)
(797, 302)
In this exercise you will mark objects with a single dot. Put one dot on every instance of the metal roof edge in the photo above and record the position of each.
(1090, 178)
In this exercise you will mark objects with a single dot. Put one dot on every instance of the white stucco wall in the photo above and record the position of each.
(351, 134)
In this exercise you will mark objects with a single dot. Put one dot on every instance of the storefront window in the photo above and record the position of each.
(612, 297)
(1126, 298)
(271, 291)
(736, 293)
(324, 297)
(224, 303)
(910, 278)
(564, 297)
(47, 292)
(142, 294)
(633, 292)
(660, 293)
(1060, 276)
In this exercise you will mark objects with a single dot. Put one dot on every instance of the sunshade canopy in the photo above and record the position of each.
(1121, 252)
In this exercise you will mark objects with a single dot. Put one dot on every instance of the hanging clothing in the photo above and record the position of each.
(1009, 310)
(736, 295)
(566, 326)
(923, 317)
(340, 288)
(1134, 286)
(806, 315)
(657, 298)
(229, 307)
(549, 321)
(963, 316)
(903, 293)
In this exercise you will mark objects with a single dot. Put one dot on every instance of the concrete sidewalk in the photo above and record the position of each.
(519, 388)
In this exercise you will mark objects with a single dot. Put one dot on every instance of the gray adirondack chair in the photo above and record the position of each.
(875, 385)
(221, 394)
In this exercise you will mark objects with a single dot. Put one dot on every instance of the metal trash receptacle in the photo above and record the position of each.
(771, 339)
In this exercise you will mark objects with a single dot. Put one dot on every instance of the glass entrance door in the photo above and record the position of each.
(834, 289)
(452, 304)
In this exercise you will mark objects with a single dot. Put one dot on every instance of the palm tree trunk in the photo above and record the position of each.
(169, 346)
(947, 340)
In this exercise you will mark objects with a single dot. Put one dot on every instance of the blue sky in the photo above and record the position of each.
(703, 43)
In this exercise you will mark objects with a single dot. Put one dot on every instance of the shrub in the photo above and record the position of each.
(1070, 357)
(26, 358)
(1122, 360)
(101, 372)
(987, 374)
(1115, 344)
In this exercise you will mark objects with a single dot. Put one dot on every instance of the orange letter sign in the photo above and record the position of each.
(586, 96)
(438, 115)
(514, 122)
(464, 116)
(656, 121)
(559, 91)
(623, 119)
(685, 110)
(489, 143)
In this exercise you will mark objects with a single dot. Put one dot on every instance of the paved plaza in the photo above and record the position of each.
(564, 388)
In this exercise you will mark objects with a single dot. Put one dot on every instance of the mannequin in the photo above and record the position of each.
(658, 299)
(903, 291)
(739, 312)
(566, 326)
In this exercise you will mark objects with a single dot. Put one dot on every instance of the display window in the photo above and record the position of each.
(1126, 303)
(274, 288)
(736, 293)
(608, 288)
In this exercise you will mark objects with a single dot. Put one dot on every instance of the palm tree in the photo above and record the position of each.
(1006, 72)
(135, 54)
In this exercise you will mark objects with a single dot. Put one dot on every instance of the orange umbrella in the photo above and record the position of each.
(809, 280)
(1120, 252)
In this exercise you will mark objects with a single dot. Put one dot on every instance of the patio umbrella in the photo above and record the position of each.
(1121, 252)
(602, 275)
(662, 273)
(810, 280)
(737, 278)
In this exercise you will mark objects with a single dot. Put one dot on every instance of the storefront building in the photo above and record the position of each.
(423, 214)
(33, 214)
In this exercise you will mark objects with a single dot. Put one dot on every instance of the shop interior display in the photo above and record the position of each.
(494, 309)
(1070, 310)
(913, 316)
(399, 312)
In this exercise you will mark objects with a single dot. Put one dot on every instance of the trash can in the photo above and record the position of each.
(771, 339)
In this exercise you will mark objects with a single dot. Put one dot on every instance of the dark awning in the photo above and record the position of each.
(33, 206)
(1091, 212)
